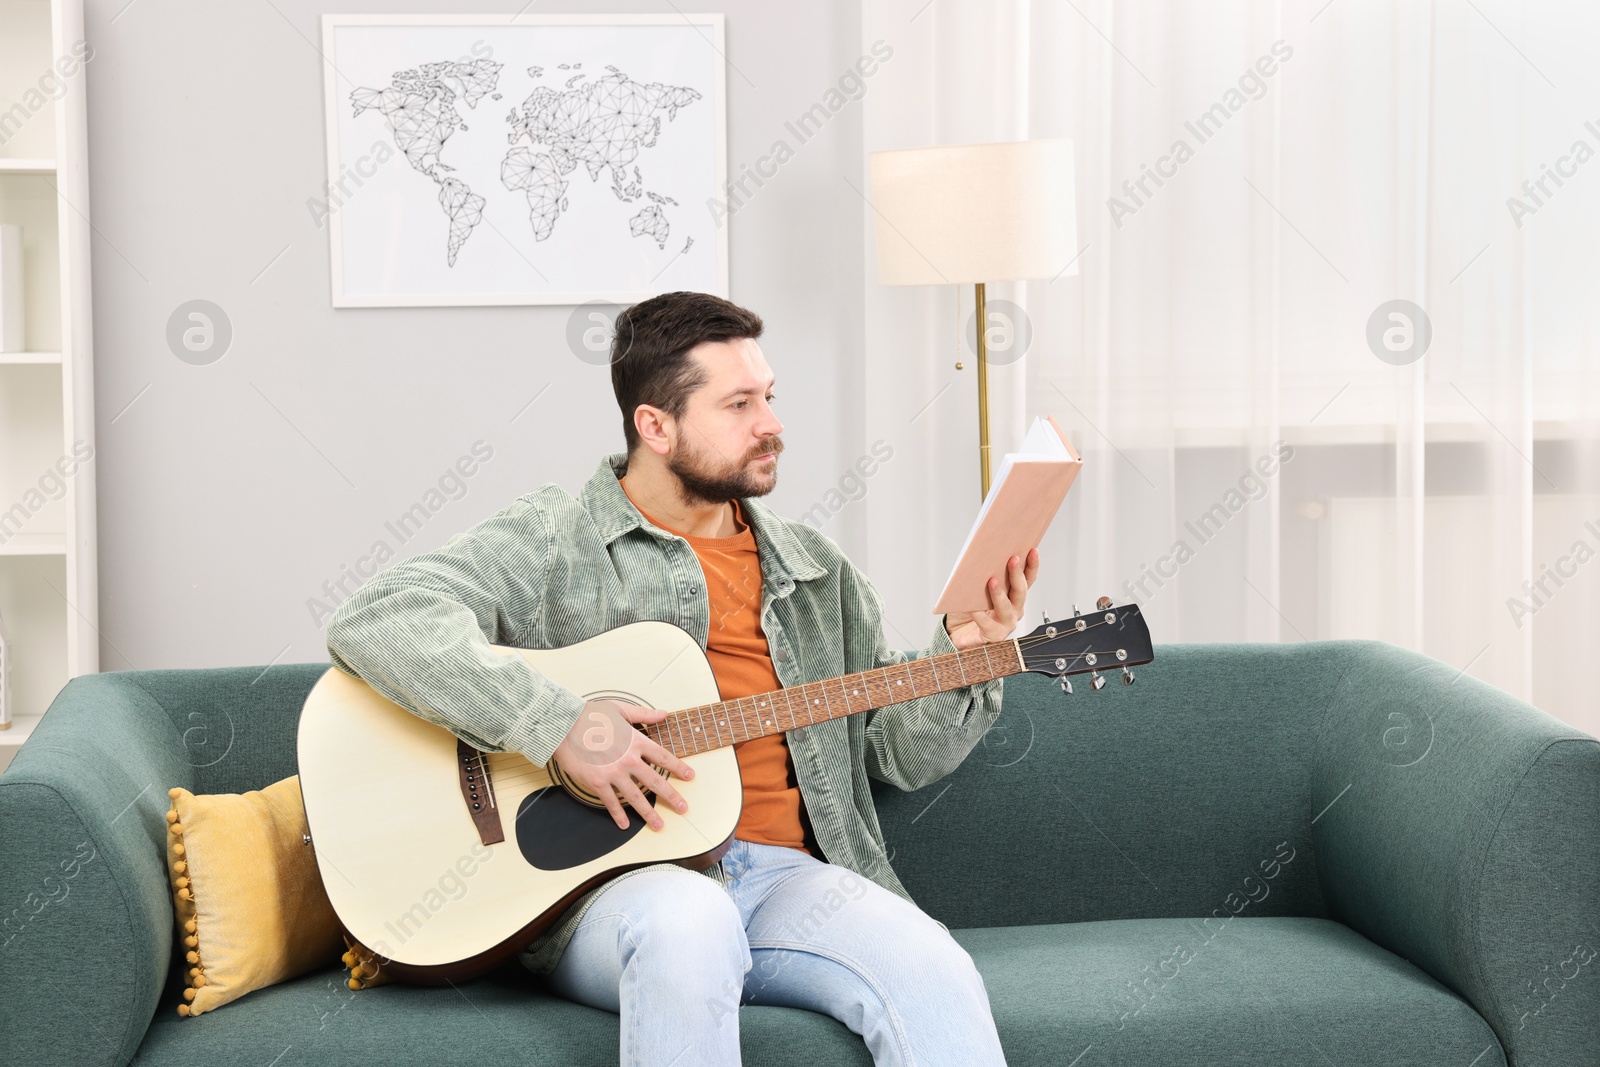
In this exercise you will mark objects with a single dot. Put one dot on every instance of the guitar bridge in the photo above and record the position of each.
(477, 789)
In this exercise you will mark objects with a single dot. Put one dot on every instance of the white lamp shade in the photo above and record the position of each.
(957, 214)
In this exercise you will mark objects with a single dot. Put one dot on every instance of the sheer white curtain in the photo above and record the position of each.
(1265, 458)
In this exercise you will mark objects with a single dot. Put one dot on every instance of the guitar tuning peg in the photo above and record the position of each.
(1127, 676)
(1096, 680)
(1103, 603)
(1074, 609)
(1066, 686)
(1046, 615)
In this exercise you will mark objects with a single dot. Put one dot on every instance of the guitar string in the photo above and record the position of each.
(534, 771)
(1030, 640)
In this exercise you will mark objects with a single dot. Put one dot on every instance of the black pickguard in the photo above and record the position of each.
(556, 832)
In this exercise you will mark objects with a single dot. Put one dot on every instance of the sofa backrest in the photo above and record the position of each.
(235, 726)
(1156, 799)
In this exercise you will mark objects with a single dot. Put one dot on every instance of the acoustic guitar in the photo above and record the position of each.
(446, 861)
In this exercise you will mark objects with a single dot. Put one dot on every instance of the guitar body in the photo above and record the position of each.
(446, 861)
(406, 864)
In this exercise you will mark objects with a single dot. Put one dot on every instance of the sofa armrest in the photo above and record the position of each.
(86, 927)
(1460, 828)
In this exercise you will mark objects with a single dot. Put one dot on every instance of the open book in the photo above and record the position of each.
(1023, 500)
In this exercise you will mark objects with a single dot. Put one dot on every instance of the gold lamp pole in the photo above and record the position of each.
(975, 213)
(981, 312)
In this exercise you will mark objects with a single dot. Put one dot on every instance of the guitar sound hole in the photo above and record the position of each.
(555, 832)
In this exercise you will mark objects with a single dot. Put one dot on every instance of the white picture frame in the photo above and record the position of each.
(513, 245)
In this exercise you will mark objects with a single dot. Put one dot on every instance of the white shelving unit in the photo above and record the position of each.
(49, 593)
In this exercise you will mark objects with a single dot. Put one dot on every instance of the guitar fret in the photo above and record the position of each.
(789, 700)
(960, 667)
(714, 727)
(700, 727)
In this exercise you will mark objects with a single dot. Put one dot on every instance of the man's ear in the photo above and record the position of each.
(655, 427)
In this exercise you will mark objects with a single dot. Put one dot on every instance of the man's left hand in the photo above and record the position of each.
(968, 629)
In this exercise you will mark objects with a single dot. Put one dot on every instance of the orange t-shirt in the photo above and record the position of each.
(742, 663)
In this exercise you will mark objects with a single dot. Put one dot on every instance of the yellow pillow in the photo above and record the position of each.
(249, 900)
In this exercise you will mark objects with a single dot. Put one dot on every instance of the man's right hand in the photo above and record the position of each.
(604, 754)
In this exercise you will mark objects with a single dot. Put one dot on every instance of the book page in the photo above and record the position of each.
(1041, 443)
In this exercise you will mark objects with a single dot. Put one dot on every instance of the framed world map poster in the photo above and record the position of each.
(523, 159)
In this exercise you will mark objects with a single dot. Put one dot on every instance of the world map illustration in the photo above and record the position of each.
(604, 124)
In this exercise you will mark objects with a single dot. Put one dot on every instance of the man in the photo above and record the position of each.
(803, 910)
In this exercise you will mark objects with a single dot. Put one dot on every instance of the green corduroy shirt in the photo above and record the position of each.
(550, 570)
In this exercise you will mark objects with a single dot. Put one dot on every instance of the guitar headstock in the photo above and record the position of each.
(1104, 639)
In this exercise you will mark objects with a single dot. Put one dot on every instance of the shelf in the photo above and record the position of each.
(46, 392)
(35, 544)
(21, 729)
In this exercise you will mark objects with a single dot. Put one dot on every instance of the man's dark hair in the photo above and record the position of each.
(650, 361)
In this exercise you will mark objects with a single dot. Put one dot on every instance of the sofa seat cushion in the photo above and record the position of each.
(1247, 992)
(1259, 991)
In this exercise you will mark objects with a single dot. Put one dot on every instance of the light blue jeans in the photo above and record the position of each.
(675, 954)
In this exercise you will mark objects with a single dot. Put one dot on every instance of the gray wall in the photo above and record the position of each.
(229, 493)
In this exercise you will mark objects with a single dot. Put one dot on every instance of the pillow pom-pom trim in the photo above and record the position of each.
(184, 905)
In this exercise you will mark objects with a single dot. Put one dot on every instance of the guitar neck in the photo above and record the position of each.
(710, 726)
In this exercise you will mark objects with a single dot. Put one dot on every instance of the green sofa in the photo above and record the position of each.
(1334, 853)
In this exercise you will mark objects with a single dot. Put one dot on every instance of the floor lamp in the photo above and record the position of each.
(970, 214)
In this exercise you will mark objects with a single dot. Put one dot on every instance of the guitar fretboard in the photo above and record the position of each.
(701, 729)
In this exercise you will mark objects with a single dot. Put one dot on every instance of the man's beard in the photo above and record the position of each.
(703, 479)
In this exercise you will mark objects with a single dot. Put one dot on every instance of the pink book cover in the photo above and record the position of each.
(1022, 502)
